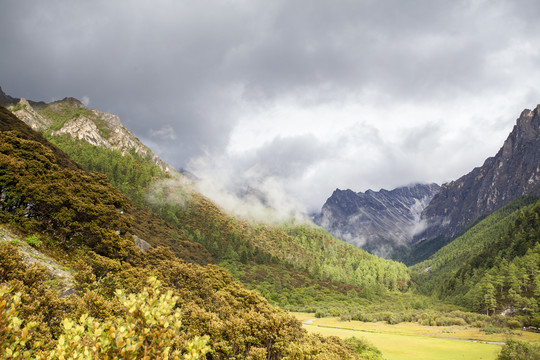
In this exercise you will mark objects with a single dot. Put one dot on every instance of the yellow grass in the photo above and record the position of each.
(408, 341)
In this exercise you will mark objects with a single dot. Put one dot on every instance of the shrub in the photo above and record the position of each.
(148, 329)
(514, 324)
(363, 348)
(13, 335)
(33, 240)
(519, 350)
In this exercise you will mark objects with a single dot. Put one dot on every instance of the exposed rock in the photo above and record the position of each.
(141, 244)
(513, 172)
(30, 256)
(93, 126)
(376, 221)
(25, 112)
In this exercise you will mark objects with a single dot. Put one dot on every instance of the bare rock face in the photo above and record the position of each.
(83, 128)
(25, 112)
(70, 116)
(142, 244)
(378, 222)
(513, 172)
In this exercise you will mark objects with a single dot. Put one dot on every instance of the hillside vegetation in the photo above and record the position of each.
(494, 266)
(291, 265)
(86, 223)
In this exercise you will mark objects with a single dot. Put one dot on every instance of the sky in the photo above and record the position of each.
(294, 98)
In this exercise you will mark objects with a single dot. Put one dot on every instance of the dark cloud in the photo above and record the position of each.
(181, 74)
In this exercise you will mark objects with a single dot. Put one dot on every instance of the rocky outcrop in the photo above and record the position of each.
(64, 282)
(70, 116)
(142, 244)
(513, 172)
(25, 112)
(379, 221)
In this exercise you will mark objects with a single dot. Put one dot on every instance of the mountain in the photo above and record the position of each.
(379, 221)
(6, 100)
(513, 172)
(494, 266)
(71, 117)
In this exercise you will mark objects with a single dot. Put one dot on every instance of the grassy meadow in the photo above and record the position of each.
(406, 341)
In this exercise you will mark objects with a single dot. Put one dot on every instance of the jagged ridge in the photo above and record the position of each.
(513, 172)
(376, 221)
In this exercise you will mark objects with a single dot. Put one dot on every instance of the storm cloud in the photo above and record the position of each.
(301, 96)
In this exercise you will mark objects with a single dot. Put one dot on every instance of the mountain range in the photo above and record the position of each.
(377, 221)
(414, 222)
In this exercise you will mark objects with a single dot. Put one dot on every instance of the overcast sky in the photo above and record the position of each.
(296, 97)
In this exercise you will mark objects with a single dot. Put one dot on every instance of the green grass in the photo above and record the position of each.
(414, 341)
(410, 347)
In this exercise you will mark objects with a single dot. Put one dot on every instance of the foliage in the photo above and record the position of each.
(13, 334)
(292, 248)
(77, 207)
(127, 171)
(9, 122)
(519, 350)
(300, 252)
(64, 110)
(147, 329)
(33, 240)
(495, 266)
(89, 222)
(360, 346)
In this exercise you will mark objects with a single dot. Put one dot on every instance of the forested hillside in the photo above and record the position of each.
(289, 265)
(82, 221)
(494, 266)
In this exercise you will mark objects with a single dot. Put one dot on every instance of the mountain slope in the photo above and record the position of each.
(499, 257)
(84, 222)
(376, 221)
(70, 116)
(146, 226)
(513, 172)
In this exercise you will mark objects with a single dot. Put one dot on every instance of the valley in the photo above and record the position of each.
(115, 215)
(406, 341)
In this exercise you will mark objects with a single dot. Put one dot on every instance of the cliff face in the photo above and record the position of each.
(379, 221)
(70, 116)
(513, 172)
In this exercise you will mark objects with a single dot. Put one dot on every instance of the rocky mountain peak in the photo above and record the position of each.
(70, 116)
(513, 172)
(378, 221)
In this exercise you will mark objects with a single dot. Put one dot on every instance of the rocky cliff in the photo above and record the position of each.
(70, 116)
(379, 221)
(513, 172)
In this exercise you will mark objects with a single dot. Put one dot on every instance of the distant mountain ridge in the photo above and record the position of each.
(378, 221)
(513, 172)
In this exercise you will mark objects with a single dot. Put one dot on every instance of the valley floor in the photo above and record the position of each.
(406, 341)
